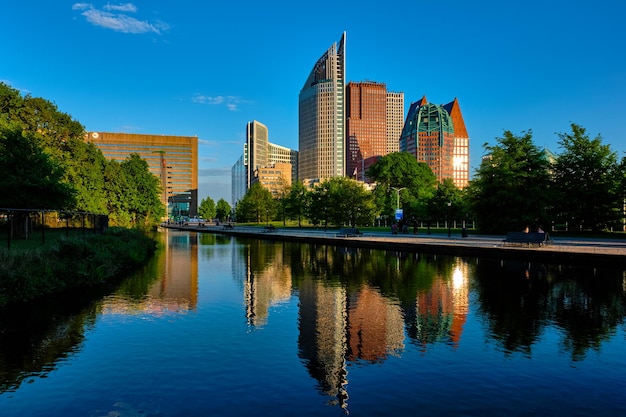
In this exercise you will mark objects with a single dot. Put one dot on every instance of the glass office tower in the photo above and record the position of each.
(321, 128)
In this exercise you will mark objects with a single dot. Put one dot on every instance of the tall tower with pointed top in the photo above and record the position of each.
(321, 119)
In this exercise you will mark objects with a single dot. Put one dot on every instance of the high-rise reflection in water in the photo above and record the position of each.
(441, 310)
(172, 285)
(266, 279)
(354, 304)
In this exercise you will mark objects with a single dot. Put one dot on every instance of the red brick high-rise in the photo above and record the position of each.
(369, 115)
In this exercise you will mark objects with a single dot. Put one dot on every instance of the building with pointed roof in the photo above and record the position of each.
(436, 135)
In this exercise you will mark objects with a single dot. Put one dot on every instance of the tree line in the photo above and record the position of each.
(517, 185)
(47, 164)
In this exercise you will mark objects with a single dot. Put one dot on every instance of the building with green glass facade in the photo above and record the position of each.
(436, 135)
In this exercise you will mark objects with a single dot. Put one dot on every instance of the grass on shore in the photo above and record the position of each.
(30, 269)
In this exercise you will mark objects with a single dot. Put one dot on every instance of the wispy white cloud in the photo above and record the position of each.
(115, 17)
(126, 7)
(231, 102)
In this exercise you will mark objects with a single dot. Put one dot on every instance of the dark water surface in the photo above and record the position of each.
(217, 325)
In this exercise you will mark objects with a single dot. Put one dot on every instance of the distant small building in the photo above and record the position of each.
(259, 154)
(275, 177)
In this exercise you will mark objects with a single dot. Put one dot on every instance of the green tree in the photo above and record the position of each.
(586, 182)
(84, 169)
(511, 188)
(117, 196)
(400, 170)
(447, 202)
(319, 204)
(206, 210)
(144, 194)
(62, 138)
(296, 201)
(343, 201)
(256, 206)
(30, 177)
(223, 209)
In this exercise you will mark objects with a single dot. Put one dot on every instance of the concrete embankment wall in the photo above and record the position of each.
(559, 253)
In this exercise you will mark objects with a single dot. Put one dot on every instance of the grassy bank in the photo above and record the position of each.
(27, 274)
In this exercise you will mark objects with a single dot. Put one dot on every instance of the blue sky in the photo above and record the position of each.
(207, 68)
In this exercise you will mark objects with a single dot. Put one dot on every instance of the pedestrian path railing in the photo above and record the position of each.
(30, 224)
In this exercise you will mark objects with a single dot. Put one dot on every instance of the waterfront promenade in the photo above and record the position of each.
(592, 251)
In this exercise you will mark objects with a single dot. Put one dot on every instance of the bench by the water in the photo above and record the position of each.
(349, 232)
(228, 226)
(529, 238)
(270, 228)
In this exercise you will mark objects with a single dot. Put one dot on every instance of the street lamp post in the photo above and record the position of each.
(398, 189)
(398, 196)
(449, 225)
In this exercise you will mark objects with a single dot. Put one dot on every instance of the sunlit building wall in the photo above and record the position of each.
(262, 159)
(436, 135)
(257, 145)
(374, 120)
(261, 155)
(321, 120)
(460, 154)
(276, 178)
(282, 155)
(172, 159)
(366, 126)
(395, 120)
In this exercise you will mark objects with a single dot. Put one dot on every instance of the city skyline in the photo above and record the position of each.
(163, 69)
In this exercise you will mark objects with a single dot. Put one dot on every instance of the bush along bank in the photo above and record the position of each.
(71, 263)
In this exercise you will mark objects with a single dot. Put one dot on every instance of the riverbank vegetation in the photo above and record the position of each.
(47, 165)
(70, 263)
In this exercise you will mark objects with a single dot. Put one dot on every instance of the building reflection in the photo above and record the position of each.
(345, 317)
(173, 285)
(375, 326)
(339, 326)
(322, 339)
(441, 310)
(266, 279)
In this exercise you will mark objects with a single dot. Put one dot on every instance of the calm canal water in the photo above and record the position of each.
(232, 327)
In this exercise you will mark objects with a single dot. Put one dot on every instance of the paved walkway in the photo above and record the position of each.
(569, 247)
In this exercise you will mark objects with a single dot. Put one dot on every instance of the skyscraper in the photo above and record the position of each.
(321, 124)
(257, 146)
(395, 120)
(374, 119)
(436, 135)
(260, 154)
